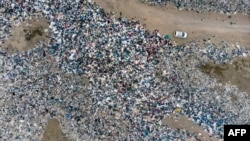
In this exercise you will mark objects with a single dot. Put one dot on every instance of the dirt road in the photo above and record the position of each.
(199, 26)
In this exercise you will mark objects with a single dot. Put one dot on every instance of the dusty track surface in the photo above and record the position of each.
(199, 26)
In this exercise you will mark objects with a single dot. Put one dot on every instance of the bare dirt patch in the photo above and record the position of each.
(178, 121)
(199, 26)
(26, 35)
(53, 132)
(237, 73)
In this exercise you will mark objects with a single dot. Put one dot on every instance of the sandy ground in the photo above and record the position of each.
(178, 121)
(17, 41)
(237, 73)
(199, 26)
(53, 132)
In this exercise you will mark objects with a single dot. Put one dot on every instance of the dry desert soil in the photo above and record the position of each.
(26, 35)
(168, 19)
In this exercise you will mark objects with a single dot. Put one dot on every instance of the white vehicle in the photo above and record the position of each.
(180, 34)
